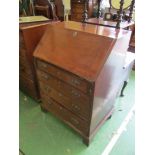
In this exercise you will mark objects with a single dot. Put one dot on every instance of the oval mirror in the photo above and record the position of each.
(116, 4)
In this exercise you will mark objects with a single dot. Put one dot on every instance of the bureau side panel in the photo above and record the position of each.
(108, 83)
(31, 37)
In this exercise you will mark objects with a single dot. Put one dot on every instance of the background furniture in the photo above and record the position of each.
(26, 8)
(79, 6)
(52, 9)
(119, 19)
(42, 10)
(101, 22)
(79, 81)
(45, 8)
(119, 22)
(115, 6)
(59, 9)
(31, 30)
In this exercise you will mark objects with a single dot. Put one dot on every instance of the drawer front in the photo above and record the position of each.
(64, 76)
(65, 115)
(28, 86)
(79, 108)
(63, 87)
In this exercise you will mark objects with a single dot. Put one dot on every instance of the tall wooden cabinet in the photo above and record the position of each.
(31, 30)
(80, 73)
(78, 7)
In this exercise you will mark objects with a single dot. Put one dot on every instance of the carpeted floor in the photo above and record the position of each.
(44, 134)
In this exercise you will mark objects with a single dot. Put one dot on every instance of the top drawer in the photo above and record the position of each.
(64, 76)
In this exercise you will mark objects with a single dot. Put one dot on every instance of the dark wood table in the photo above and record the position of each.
(100, 21)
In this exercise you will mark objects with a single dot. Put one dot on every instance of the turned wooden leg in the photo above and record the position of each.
(43, 109)
(124, 85)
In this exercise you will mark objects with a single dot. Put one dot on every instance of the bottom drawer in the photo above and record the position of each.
(28, 86)
(69, 118)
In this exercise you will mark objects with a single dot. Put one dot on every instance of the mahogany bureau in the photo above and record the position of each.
(79, 69)
(31, 30)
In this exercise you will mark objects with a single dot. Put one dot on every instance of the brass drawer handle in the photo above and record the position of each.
(76, 82)
(74, 121)
(75, 93)
(75, 107)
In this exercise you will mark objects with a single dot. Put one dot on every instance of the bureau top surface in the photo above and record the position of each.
(100, 21)
(77, 49)
(29, 19)
(34, 21)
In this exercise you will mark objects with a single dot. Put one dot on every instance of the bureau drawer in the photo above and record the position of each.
(79, 108)
(64, 76)
(63, 87)
(65, 115)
